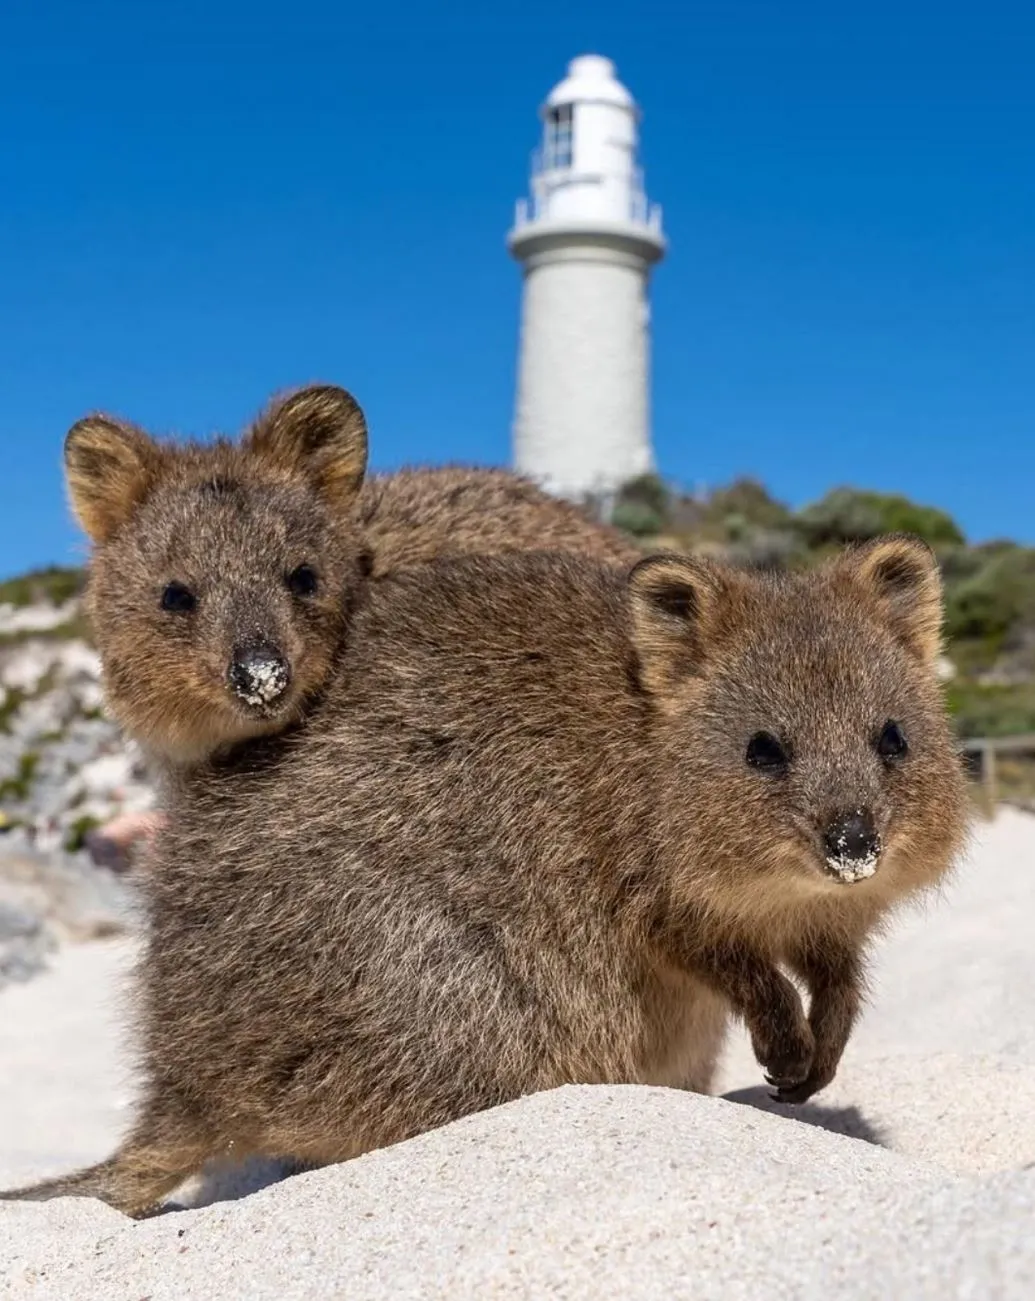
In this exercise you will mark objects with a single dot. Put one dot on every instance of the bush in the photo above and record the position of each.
(637, 518)
(994, 598)
(647, 489)
(76, 835)
(19, 786)
(641, 506)
(745, 506)
(11, 702)
(991, 711)
(847, 515)
(55, 585)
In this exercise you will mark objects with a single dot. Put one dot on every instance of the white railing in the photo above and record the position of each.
(640, 211)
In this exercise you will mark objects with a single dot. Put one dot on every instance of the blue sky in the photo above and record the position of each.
(202, 203)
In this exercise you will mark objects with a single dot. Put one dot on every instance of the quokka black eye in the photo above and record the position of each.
(303, 581)
(178, 599)
(767, 753)
(891, 743)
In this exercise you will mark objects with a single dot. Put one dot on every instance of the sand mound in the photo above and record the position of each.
(582, 1192)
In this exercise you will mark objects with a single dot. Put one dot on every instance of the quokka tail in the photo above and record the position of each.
(127, 1185)
(91, 1182)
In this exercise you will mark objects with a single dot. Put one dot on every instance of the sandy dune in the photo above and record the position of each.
(921, 1190)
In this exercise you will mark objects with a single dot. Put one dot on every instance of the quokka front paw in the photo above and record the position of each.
(819, 1076)
(786, 1059)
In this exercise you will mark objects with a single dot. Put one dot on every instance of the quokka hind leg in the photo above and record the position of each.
(134, 1181)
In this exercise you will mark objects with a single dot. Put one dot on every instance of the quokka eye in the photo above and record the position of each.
(767, 754)
(303, 581)
(891, 743)
(178, 599)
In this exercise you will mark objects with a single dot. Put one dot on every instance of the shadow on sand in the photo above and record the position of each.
(226, 1181)
(838, 1120)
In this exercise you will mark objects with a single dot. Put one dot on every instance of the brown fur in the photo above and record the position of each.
(230, 522)
(519, 845)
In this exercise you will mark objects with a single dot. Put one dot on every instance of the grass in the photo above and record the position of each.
(78, 831)
(19, 786)
(9, 706)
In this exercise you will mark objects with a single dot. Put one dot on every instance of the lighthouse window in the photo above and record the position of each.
(558, 136)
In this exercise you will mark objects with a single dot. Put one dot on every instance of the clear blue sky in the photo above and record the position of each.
(201, 203)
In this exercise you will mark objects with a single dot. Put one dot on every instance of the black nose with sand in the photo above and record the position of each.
(259, 674)
(852, 836)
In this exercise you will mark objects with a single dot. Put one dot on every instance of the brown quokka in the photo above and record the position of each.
(222, 575)
(549, 824)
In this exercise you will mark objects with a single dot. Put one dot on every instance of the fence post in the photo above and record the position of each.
(989, 774)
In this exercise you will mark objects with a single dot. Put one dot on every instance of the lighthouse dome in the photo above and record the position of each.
(591, 80)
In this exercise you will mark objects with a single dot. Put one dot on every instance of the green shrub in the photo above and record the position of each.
(76, 835)
(848, 515)
(995, 600)
(641, 506)
(19, 786)
(991, 710)
(56, 585)
(13, 700)
(647, 489)
(746, 506)
(637, 518)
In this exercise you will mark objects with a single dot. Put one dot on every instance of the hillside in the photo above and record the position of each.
(63, 765)
(63, 770)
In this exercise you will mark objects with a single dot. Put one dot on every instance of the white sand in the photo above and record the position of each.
(597, 1192)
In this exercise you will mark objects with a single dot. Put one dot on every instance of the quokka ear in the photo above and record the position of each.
(110, 467)
(319, 432)
(677, 610)
(902, 572)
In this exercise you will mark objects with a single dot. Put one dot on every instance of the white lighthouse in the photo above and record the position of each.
(586, 239)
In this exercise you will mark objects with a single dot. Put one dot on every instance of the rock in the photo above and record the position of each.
(64, 768)
(46, 899)
(24, 942)
(35, 618)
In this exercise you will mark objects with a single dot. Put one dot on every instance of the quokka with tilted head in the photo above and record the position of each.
(222, 575)
(550, 823)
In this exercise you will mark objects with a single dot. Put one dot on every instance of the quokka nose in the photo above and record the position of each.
(852, 836)
(259, 675)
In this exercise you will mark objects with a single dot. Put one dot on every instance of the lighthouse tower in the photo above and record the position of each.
(586, 240)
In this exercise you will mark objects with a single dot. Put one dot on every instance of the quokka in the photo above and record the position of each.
(223, 576)
(548, 823)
